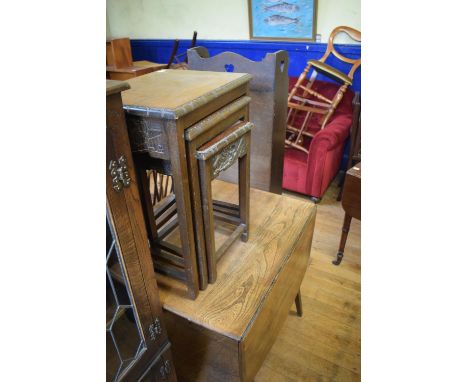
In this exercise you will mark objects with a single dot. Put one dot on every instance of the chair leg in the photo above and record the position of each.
(341, 187)
(299, 82)
(298, 302)
(340, 193)
(173, 54)
(344, 236)
(335, 102)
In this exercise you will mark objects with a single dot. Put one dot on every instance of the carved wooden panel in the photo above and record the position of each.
(147, 136)
(227, 157)
(268, 108)
(225, 152)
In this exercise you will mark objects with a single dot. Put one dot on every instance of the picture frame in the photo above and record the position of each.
(287, 20)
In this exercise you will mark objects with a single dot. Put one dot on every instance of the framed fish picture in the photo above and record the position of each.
(283, 19)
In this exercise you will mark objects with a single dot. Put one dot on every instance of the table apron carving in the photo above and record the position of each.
(227, 157)
(148, 136)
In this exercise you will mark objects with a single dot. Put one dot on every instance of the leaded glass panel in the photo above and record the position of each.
(124, 342)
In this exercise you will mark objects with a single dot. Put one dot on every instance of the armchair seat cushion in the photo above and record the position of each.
(311, 173)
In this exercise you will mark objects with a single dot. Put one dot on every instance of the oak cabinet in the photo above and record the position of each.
(136, 338)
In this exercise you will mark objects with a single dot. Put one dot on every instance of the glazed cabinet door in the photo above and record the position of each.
(135, 333)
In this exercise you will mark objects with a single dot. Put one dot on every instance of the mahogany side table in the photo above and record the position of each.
(351, 202)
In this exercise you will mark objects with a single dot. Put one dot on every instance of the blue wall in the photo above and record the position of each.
(299, 52)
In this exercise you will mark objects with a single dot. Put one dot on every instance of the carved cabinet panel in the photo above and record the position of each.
(135, 332)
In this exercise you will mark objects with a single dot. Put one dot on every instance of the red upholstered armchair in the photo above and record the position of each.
(311, 173)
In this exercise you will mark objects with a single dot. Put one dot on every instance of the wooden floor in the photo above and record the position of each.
(325, 344)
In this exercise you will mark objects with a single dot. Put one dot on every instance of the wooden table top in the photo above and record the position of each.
(113, 86)
(355, 171)
(172, 93)
(144, 64)
(248, 270)
(138, 66)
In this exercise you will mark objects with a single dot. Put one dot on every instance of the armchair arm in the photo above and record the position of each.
(324, 154)
(335, 133)
(338, 130)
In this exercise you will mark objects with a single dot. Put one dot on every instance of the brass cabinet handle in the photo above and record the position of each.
(165, 369)
(119, 173)
(155, 329)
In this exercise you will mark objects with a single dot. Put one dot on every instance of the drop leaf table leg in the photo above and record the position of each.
(298, 302)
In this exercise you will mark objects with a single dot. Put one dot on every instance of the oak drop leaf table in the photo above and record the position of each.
(227, 332)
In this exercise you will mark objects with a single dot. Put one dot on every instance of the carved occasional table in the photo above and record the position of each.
(159, 107)
(223, 151)
(196, 136)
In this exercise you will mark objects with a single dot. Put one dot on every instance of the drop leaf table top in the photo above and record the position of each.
(226, 333)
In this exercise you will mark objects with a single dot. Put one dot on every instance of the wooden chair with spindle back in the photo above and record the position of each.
(310, 101)
(161, 186)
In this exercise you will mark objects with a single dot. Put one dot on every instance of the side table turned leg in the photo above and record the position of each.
(315, 199)
(298, 302)
(340, 192)
(344, 236)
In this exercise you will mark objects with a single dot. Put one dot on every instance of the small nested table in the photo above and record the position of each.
(195, 137)
(231, 147)
(159, 107)
(228, 331)
(351, 201)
